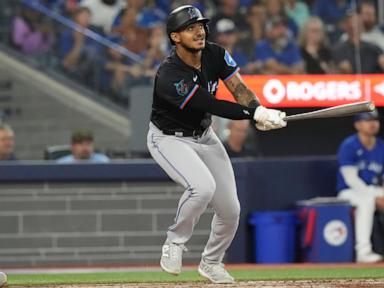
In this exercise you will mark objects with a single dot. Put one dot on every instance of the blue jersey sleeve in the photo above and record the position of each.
(228, 65)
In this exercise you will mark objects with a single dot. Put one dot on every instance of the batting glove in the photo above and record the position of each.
(268, 119)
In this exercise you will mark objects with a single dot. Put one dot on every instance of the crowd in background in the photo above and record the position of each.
(264, 37)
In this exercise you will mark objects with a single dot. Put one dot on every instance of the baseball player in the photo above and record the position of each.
(361, 160)
(182, 142)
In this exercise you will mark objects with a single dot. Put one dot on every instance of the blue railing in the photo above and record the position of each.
(87, 32)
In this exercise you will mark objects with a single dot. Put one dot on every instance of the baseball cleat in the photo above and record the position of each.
(369, 258)
(215, 273)
(171, 257)
(3, 279)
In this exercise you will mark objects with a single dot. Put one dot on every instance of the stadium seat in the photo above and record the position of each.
(56, 152)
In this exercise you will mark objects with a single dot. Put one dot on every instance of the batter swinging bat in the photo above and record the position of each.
(336, 111)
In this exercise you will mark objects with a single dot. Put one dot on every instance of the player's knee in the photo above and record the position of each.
(206, 190)
(233, 213)
(230, 214)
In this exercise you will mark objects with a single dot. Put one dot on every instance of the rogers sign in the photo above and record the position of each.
(312, 90)
(275, 91)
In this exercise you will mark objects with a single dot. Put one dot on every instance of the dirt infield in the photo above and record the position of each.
(357, 283)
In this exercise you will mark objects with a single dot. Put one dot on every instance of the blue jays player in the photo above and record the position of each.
(182, 142)
(360, 180)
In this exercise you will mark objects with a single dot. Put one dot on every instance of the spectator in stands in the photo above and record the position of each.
(298, 11)
(30, 34)
(360, 180)
(104, 12)
(370, 57)
(332, 13)
(134, 5)
(228, 37)
(6, 143)
(83, 150)
(79, 54)
(116, 70)
(278, 54)
(125, 74)
(228, 9)
(133, 37)
(275, 9)
(156, 51)
(255, 19)
(151, 15)
(371, 32)
(236, 143)
(314, 48)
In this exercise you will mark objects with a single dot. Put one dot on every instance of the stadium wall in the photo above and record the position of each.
(117, 214)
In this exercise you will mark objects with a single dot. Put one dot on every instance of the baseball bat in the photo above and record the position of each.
(335, 111)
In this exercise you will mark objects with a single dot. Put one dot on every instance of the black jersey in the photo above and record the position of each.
(176, 83)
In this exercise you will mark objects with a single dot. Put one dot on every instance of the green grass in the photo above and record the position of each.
(251, 274)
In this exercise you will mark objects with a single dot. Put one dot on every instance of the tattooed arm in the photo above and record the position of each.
(266, 119)
(241, 92)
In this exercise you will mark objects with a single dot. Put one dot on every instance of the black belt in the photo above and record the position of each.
(184, 133)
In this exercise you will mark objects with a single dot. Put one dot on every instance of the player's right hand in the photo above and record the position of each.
(268, 119)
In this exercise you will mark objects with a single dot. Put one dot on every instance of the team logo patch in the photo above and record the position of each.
(335, 233)
(229, 60)
(181, 88)
(193, 13)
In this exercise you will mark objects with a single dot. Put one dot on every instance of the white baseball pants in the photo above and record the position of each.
(203, 168)
(365, 203)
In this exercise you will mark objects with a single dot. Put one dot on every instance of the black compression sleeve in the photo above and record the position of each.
(204, 102)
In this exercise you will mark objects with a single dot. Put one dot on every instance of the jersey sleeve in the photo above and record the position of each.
(228, 66)
(346, 155)
(176, 87)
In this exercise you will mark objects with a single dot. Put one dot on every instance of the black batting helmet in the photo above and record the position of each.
(182, 17)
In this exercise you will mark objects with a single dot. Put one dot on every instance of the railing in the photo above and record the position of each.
(49, 46)
(35, 5)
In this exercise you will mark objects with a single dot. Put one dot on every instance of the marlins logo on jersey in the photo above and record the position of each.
(181, 88)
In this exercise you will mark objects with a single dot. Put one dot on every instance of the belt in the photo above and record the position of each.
(185, 133)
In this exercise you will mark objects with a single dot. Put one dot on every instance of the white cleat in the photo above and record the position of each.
(3, 279)
(369, 258)
(215, 273)
(171, 257)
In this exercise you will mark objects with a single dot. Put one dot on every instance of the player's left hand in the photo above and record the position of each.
(273, 119)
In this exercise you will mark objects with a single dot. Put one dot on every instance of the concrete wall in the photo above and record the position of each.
(117, 213)
(44, 116)
(89, 223)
